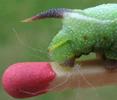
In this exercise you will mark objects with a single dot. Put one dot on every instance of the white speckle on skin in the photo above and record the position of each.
(83, 17)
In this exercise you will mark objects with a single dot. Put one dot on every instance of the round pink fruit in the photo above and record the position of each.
(28, 79)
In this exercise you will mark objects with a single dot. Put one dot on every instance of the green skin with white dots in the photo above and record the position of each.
(85, 31)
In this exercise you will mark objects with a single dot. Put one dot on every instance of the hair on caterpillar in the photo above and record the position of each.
(26, 45)
(91, 86)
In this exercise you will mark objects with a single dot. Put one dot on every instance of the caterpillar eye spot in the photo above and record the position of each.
(85, 37)
(105, 38)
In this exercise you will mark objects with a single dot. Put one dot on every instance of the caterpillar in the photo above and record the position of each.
(83, 31)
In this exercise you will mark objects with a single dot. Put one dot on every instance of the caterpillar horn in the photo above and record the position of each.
(51, 13)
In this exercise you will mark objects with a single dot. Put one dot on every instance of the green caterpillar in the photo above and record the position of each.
(83, 31)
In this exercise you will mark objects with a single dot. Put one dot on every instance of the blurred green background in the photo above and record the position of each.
(21, 42)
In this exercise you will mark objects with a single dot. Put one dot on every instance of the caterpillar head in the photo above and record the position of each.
(61, 48)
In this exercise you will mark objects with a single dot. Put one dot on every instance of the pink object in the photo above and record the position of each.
(28, 79)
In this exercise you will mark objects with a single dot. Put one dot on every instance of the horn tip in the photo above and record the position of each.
(27, 20)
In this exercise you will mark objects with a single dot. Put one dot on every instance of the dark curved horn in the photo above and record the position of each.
(51, 13)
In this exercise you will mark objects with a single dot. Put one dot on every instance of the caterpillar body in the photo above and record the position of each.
(84, 31)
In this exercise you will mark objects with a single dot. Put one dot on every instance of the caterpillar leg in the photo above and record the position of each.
(110, 64)
(111, 58)
(100, 56)
(69, 63)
